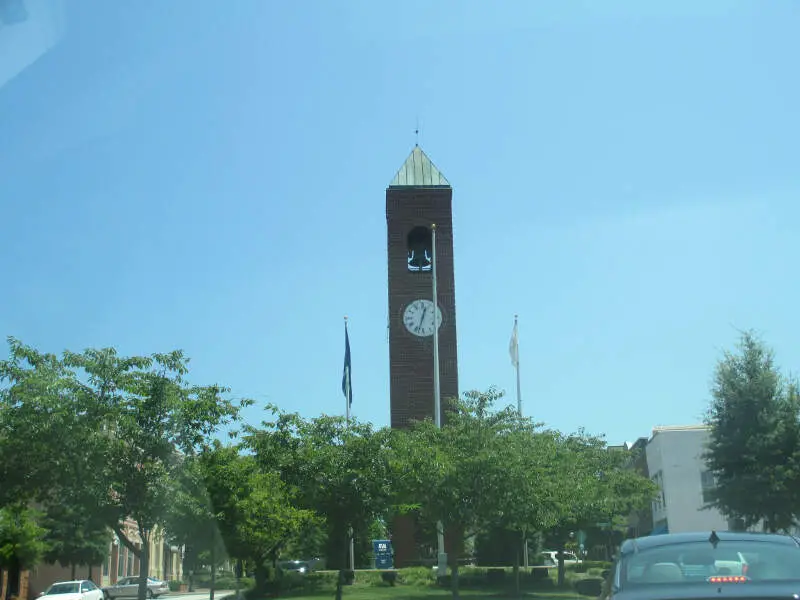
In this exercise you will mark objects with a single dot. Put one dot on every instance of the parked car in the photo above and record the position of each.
(82, 589)
(707, 565)
(550, 558)
(296, 566)
(128, 587)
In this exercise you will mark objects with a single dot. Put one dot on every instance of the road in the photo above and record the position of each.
(219, 595)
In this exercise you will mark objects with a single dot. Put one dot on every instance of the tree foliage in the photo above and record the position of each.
(340, 471)
(754, 448)
(488, 470)
(108, 431)
(254, 510)
(74, 537)
(21, 543)
(110, 438)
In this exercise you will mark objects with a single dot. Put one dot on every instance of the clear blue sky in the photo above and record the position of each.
(210, 176)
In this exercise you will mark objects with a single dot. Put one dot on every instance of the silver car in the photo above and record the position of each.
(128, 587)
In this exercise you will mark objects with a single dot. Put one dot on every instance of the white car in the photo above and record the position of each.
(550, 558)
(72, 590)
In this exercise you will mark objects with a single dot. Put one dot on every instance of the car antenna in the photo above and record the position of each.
(714, 539)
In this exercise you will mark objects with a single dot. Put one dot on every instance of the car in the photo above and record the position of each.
(706, 565)
(550, 558)
(81, 589)
(297, 566)
(128, 587)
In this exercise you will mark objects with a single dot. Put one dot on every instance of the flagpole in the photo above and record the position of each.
(515, 358)
(348, 400)
(348, 394)
(441, 570)
(519, 390)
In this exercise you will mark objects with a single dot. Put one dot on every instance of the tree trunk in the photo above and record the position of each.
(91, 574)
(238, 572)
(261, 576)
(516, 570)
(144, 567)
(340, 582)
(213, 573)
(560, 555)
(454, 576)
(72, 571)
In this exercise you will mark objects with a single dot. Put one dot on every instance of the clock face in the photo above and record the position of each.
(418, 317)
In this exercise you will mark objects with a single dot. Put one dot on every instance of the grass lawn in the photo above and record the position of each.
(418, 583)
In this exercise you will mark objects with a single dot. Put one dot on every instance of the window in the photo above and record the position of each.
(680, 563)
(660, 502)
(708, 485)
(420, 254)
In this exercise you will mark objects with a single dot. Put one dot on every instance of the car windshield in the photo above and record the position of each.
(693, 562)
(63, 588)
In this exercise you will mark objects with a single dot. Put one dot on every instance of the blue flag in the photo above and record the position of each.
(347, 382)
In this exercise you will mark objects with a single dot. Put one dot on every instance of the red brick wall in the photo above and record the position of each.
(411, 357)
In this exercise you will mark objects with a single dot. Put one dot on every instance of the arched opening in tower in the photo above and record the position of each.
(420, 254)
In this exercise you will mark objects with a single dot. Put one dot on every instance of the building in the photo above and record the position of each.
(417, 199)
(673, 458)
(166, 563)
(675, 463)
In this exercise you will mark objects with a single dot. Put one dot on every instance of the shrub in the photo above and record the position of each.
(389, 577)
(174, 585)
(590, 586)
(495, 576)
(419, 576)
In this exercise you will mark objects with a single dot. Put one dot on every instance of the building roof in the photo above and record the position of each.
(679, 428)
(419, 171)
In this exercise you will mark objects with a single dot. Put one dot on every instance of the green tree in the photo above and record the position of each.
(445, 472)
(74, 537)
(525, 501)
(257, 514)
(21, 543)
(340, 471)
(595, 485)
(192, 521)
(754, 447)
(42, 420)
(108, 426)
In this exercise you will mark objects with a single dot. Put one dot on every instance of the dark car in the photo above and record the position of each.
(707, 565)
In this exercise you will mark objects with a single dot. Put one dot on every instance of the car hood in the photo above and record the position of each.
(60, 597)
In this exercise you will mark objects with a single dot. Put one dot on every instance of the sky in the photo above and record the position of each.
(211, 176)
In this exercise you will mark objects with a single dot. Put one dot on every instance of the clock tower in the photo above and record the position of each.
(418, 198)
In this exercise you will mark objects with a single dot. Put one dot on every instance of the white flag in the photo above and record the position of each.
(513, 346)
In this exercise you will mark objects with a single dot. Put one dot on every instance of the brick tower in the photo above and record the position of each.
(418, 197)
